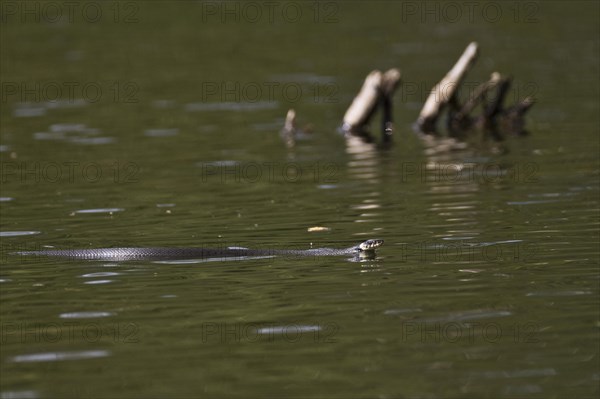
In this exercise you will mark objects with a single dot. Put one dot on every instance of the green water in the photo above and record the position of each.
(157, 124)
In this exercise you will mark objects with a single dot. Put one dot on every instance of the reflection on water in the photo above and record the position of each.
(364, 168)
(33, 110)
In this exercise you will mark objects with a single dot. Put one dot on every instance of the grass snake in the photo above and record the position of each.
(363, 249)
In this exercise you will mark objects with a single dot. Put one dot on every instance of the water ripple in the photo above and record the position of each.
(468, 315)
(85, 315)
(161, 132)
(19, 395)
(100, 274)
(518, 373)
(59, 356)
(558, 293)
(92, 282)
(18, 233)
(100, 210)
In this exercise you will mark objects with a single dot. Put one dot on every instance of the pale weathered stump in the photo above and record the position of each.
(363, 106)
(377, 89)
(445, 90)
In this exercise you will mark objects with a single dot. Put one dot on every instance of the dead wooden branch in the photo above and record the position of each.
(445, 90)
(480, 94)
(363, 106)
(460, 121)
(288, 133)
(378, 89)
(512, 120)
(494, 120)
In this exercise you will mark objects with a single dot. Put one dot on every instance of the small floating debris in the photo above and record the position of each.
(318, 228)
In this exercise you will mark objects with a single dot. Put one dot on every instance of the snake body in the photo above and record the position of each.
(365, 248)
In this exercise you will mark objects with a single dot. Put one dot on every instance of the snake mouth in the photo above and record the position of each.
(370, 245)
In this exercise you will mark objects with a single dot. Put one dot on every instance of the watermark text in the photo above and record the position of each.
(261, 332)
(470, 12)
(68, 172)
(70, 92)
(471, 332)
(269, 172)
(270, 12)
(432, 172)
(70, 12)
(68, 332)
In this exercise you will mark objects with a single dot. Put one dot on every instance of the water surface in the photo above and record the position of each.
(487, 285)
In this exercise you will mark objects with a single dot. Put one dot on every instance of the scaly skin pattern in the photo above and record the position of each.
(366, 248)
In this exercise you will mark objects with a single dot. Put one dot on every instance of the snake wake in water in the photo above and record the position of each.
(364, 249)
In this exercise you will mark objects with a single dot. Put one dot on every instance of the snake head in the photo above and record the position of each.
(369, 245)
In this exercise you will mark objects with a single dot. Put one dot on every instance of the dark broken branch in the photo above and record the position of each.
(389, 84)
(512, 119)
(461, 120)
(479, 94)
